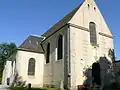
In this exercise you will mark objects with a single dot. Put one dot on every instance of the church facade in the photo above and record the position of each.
(77, 44)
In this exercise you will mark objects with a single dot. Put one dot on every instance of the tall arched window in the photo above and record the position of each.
(93, 35)
(31, 67)
(48, 53)
(60, 47)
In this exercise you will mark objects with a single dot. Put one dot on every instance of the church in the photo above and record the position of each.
(75, 51)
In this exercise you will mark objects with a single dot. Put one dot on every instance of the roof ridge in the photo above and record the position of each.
(34, 35)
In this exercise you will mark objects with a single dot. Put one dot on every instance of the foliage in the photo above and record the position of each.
(6, 50)
(106, 70)
(1, 79)
(18, 81)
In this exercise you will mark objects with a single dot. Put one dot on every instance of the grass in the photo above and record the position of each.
(24, 88)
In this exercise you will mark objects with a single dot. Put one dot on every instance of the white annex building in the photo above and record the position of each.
(77, 44)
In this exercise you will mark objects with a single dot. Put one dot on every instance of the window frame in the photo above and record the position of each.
(93, 33)
(31, 67)
(62, 50)
(48, 53)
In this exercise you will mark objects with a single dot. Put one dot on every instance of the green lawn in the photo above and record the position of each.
(23, 88)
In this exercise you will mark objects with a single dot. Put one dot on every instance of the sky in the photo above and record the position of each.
(21, 18)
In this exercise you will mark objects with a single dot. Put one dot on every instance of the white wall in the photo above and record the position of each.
(22, 59)
(6, 72)
(83, 54)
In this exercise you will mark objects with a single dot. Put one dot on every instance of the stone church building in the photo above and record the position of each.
(79, 42)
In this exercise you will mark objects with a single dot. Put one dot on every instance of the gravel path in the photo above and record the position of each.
(2, 87)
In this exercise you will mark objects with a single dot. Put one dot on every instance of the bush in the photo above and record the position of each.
(0, 80)
(114, 86)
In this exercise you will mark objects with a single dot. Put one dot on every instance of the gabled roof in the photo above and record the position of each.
(62, 22)
(33, 44)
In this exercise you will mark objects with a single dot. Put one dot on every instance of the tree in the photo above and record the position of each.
(6, 50)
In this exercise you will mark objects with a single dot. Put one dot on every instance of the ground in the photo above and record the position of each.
(3, 88)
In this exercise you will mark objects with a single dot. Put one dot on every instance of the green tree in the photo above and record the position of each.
(6, 50)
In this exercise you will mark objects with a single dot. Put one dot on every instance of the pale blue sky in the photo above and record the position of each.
(20, 18)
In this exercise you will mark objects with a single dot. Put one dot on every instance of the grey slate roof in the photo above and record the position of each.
(62, 22)
(32, 43)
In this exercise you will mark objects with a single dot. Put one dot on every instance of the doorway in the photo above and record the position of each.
(96, 78)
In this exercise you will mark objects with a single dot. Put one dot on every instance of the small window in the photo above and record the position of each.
(48, 53)
(37, 42)
(88, 5)
(31, 67)
(30, 41)
(95, 8)
(60, 47)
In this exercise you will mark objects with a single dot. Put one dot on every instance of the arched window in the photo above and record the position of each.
(93, 36)
(31, 67)
(48, 53)
(60, 47)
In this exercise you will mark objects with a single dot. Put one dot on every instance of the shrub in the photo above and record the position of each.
(114, 85)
